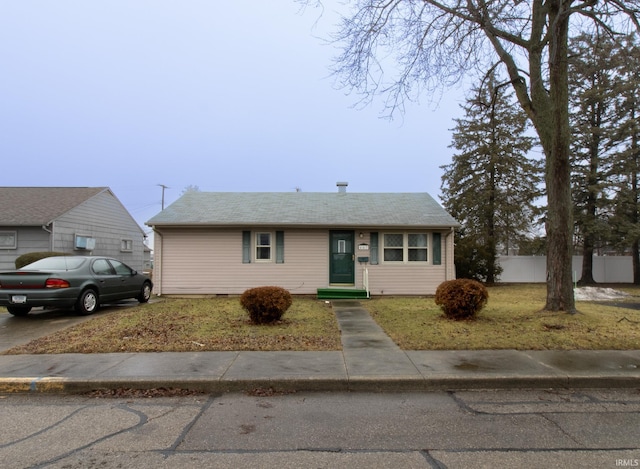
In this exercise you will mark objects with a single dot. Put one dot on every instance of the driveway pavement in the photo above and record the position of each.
(39, 322)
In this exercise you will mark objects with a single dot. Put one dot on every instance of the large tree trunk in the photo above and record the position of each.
(491, 228)
(592, 196)
(558, 172)
(589, 244)
(635, 246)
(635, 191)
(587, 264)
(635, 251)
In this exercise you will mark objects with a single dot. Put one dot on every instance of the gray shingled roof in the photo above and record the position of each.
(36, 206)
(304, 209)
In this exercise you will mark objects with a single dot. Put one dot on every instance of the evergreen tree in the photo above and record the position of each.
(591, 91)
(400, 49)
(491, 185)
(626, 221)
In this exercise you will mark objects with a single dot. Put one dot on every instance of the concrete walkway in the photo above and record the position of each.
(369, 361)
(368, 351)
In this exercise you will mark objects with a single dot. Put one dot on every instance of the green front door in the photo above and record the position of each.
(342, 259)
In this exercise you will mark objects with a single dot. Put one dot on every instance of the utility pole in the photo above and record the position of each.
(163, 188)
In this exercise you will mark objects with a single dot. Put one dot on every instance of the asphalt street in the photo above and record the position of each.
(454, 421)
(462, 429)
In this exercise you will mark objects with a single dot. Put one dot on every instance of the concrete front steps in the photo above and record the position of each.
(342, 294)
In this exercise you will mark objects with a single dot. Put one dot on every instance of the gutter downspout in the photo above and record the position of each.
(157, 263)
(446, 264)
(50, 231)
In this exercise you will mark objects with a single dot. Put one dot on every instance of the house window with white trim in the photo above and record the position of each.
(263, 246)
(393, 247)
(8, 240)
(405, 247)
(417, 247)
(126, 245)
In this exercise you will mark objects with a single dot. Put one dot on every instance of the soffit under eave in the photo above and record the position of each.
(160, 226)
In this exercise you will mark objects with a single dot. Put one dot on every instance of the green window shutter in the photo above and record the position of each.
(373, 248)
(246, 247)
(437, 249)
(279, 247)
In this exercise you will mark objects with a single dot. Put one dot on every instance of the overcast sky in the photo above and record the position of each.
(226, 96)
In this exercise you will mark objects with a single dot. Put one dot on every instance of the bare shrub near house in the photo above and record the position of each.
(461, 298)
(266, 304)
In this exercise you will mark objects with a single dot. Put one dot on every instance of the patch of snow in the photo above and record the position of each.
(598, 293)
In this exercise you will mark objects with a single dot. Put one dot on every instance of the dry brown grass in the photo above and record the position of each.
(182, 325)
(511, 320)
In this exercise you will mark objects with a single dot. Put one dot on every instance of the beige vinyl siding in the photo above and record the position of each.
(405, 279)
(209, 262)
(409, 278)
(448, 259)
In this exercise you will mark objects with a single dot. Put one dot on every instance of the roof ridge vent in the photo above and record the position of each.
(342, 187)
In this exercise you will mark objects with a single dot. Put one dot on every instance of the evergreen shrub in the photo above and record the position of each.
(266, 304)
(30, 257)
(461, 298)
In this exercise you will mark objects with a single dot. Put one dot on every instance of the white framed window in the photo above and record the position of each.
(417, 246)
(393, 247)
(263, 246)
(126, 245)
(405, 247)
(8, 239)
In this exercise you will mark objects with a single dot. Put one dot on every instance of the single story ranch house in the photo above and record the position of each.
(335, 245)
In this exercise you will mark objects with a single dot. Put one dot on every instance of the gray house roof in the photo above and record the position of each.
(337, 209)
(36, 206)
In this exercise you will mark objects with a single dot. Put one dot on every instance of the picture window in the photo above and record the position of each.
(405, 247)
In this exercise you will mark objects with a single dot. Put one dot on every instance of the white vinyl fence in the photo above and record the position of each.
(532, 269)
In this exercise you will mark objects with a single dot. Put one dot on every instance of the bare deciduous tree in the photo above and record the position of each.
(427, 44)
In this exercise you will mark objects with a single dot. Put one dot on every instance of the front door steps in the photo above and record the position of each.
(341, 294)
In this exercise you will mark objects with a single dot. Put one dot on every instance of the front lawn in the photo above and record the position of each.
(181, 325)
(511, 320)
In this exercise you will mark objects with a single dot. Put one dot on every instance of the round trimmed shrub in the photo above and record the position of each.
(30, 257)
(266, 304)
(461, 298)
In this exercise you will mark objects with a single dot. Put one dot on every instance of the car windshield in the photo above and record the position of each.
(56, 263)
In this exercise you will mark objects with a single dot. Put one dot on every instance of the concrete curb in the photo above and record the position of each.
(53, 385)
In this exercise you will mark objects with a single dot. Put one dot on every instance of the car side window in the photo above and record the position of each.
(102, 267)
(121, 269)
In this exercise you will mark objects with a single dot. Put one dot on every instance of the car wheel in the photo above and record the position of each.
(87, 303)
(19, 310)
(145, 293)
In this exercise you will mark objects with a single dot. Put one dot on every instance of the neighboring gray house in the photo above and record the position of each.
(76, 220)
(331, 244)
